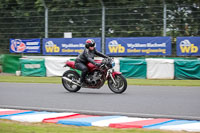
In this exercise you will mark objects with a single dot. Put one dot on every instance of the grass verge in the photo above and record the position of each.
(57, 80)
(7, 126)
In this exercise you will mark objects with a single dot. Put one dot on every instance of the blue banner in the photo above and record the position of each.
(188, 46)
(67, 46)
(25, 45)
(134, 46)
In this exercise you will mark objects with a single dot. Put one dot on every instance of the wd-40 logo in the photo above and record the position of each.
(51, 47)
(114, 47)
(187, 47)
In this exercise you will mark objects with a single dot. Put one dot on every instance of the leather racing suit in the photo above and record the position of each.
(85, 57)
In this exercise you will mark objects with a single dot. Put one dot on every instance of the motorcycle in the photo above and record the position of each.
(96, 77)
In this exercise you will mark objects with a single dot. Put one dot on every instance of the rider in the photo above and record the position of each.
(87, 56)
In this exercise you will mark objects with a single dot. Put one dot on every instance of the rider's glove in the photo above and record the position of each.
(98, 64)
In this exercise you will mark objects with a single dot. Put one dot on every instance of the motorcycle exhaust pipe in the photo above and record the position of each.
(69, 80)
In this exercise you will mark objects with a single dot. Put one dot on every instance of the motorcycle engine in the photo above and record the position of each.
(94, 78)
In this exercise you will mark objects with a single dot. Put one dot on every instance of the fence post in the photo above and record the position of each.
(46, 18)
(103, 27)
(164, 18)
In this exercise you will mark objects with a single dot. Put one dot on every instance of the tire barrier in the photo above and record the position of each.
(32, 67)
(155, 68)
(139, 68)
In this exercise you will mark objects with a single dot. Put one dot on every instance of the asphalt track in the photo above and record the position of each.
(140, 101)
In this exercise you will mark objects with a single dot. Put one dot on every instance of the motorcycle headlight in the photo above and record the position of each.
(113, 64)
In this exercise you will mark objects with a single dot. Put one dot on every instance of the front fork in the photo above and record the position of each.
(112, 74)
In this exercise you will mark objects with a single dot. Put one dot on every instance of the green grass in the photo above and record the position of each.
(57, 80)
(7, 126)
(163, 82)
(22, 79)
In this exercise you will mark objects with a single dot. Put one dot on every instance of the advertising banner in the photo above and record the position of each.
(188, 46)
(25, 45)
(134, 46)
(66, 46)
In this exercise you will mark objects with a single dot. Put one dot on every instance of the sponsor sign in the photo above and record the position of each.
(134, 46)
(32, 66)
(188, 46)
(25, 45)
(66, 46)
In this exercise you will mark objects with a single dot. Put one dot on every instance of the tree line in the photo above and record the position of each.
(124, 18)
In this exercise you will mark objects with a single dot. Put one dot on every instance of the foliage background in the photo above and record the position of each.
(124, 18)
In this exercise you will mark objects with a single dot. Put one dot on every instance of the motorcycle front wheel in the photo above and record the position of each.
(69, 86)
(120, 86)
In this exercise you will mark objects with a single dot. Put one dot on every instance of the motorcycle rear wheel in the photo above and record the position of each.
(121, 84)
(74, 76)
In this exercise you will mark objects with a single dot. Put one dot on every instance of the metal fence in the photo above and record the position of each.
(40, 19)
